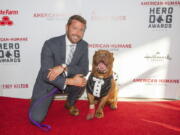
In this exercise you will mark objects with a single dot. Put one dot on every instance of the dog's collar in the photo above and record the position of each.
(100, 78)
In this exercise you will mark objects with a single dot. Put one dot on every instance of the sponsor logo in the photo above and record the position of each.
(160, 17)
(14, 86)
(5, 19)
(10, 52)
(9, 12)
(110, 47)
(157, 3)
(157, 56)
(155, 81)
(5, 39)
(161, 13)
(96, 17)
(52, 16)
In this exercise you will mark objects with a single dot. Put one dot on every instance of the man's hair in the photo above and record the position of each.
(78, 18)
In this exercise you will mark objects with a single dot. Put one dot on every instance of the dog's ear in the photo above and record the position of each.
(112, 56)
(94, 56)
(95, 53)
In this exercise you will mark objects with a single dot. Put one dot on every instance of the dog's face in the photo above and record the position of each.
(102, 64)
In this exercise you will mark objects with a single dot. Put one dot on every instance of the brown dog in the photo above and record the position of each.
(101, 86)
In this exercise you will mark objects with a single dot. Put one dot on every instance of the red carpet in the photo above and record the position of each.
(131, 118)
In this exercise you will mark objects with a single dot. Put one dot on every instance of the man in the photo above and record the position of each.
(61, 69)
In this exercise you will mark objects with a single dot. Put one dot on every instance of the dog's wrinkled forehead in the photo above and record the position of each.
(103, 53)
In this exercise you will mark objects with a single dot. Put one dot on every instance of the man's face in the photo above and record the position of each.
(75, 31)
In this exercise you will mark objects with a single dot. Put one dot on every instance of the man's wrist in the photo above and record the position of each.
(68, 81)
(64, 66)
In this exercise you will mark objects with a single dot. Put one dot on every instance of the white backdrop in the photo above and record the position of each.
(143, 35)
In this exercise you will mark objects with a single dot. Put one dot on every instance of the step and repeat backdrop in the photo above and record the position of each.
(144, 37)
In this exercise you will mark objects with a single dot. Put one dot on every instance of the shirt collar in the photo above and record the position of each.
(68, 42)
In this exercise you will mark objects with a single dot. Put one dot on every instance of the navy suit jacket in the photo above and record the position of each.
(53, 54)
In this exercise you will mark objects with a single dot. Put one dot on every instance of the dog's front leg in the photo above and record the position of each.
(99, 111)
(91, 111)
(112, 100)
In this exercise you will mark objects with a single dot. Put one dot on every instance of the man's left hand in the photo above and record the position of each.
(55, 72)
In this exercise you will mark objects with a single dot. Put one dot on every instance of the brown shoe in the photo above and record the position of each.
(73, 110)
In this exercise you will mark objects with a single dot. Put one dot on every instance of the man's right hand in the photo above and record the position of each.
(77, 80)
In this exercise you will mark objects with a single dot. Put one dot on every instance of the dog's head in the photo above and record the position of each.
(102, 64)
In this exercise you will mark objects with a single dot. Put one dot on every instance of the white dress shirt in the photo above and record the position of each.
(68, 43)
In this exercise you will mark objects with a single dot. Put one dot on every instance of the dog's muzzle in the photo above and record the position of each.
(102, 67)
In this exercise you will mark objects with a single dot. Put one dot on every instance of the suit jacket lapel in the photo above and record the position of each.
(64, 48)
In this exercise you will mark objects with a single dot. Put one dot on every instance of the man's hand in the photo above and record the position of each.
(54, 72)
(77, 80)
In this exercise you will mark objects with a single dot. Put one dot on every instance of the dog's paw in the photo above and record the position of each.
(99, 114)
(113, 106)
(90, 114)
